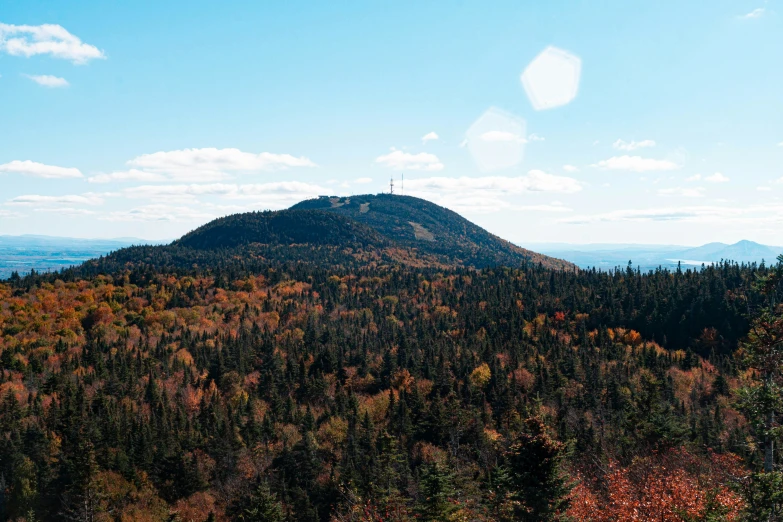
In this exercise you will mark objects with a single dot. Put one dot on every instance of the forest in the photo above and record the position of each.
(293, 389)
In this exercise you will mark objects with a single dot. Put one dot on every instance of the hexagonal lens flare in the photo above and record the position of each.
(496, 140)
(552, 78)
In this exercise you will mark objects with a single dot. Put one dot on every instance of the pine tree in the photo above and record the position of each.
(436, 489)
(762, 403)
(261, 505)
(538, 486)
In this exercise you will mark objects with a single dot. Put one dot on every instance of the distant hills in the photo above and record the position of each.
(607, 256)
(742, 251)
(47, 253)
(351, 231)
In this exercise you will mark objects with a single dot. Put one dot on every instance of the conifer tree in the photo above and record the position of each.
(538, 486)
(762, 403)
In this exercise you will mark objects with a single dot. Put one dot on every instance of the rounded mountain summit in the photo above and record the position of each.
(383, 221)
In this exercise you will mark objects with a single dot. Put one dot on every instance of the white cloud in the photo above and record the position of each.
(68, 211)
(653, 214)
(489, 193)
(764, 189)
(780, 144)
(35, 199)
(684, 192)
(209, 164)
(268, 195)
(717, 178)
(535, 137)
(9, 214)
(502, 136)
(160, 212)
(570, 168)
(695, 177)
(128, 175)
(756, 215)
(54, 40)
(39, 170)
(399, 160)
(430, 136)
(544, 208)
(48, 80)
(496, 140)
(180, 192)
(756, 13)
(534, 181)
(539, 181)
(632, 145)
(635, 164)
(363, 180)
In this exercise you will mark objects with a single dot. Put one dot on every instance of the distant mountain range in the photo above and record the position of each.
(607, 256)
(34, 240)
(48, 253)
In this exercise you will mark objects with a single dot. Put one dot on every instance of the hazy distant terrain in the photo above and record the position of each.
(607, 256)
(46, 253)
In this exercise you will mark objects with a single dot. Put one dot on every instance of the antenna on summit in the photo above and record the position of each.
(391, 185)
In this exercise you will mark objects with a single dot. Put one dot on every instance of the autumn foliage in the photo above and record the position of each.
(386, 394)
(670, 486)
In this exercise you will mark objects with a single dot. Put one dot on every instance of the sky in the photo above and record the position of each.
(580, 121)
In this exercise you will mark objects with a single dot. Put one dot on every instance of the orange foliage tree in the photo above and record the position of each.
(672, 486)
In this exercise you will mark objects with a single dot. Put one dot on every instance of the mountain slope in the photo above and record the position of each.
(284, 227)
(705, 252)
(742, 251)
(353, 233)
(430, 229)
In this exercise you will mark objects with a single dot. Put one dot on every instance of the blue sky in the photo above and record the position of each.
(147, 119)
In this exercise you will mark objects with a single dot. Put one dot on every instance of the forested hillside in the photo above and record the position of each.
(309, 365)
(325, 232)
(292, 392)
(285, 227)
(432, 229)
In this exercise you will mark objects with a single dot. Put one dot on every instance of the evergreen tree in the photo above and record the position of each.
(538, 485)
(436, 490)
(261, 505)
(762, 403)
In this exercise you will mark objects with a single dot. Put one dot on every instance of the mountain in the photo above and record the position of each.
(704, 252)
(322, 364)
(359, 232)
(430, 229)
(742, 251)
(650, 257)
(283, 227)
